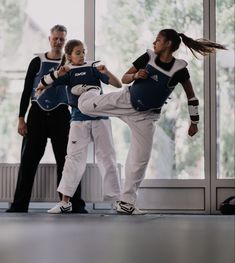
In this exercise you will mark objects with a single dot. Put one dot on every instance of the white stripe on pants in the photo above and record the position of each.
(80, 135)
(142, 125)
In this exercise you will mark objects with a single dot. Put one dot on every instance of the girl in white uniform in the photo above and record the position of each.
(155, 74)
(84, 129)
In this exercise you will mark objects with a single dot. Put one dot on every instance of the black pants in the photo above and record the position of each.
(42, 125)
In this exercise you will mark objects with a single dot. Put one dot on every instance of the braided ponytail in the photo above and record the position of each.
(63, 61)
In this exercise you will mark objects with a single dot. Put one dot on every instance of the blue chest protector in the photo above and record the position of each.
(152, 93)
(84, 74)
(51, 98)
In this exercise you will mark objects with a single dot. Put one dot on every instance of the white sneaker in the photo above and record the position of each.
(128, 209)
(61, 207)
(81, 88)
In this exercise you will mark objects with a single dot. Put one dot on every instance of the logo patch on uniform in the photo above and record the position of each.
(80, 74)
(94, 105)
(154, 77)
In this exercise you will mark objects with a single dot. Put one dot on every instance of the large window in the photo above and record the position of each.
(25, 27)
(124, 30)
(225, 90)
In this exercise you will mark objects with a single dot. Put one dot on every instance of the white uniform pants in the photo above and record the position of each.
(142, 126)
(80, 135)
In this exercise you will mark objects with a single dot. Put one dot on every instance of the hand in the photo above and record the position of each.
(22, 127)
(63, 70)
(39, 90)
(193, 129)
(141, 74)
(102, 69)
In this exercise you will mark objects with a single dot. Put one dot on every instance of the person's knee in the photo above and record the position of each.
(83, 106)
(85, 102)
(87, 108)
(80, 105)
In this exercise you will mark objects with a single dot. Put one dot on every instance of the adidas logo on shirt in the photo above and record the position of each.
(154, 77)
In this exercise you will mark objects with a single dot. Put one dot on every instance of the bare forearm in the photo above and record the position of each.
(133, 74)
(128, 78)
(113, 80)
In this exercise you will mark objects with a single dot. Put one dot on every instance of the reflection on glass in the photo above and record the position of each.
(225, 90)
(123, 32)
(25, 27)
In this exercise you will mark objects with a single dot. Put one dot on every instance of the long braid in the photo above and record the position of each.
(63, 61)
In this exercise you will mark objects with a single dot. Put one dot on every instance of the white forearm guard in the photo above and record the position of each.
(49, 78)
(193, 110)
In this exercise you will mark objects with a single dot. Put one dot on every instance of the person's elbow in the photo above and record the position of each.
(124, 80)
(116, 83)
(119, 85)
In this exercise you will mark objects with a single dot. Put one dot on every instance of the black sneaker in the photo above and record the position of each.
(16, 210)
(79, 210)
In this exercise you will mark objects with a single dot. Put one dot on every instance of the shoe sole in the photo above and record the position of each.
(56, 213)
(132, 214)
(62, 211)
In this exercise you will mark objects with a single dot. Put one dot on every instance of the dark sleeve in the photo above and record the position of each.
(180, 77)
(104, 78)
(141, 62)
(33, 69)
(183, 75)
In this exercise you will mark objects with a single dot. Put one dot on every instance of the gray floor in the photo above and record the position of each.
(103, 237)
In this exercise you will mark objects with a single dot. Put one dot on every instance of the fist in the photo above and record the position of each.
(193, 129)
(39, 90)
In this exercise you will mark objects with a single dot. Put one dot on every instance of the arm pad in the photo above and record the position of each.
(193, 110)
(49, 78)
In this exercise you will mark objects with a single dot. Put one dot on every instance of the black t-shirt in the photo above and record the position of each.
(179, 77)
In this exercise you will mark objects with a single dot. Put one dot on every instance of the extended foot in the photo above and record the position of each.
(81, 88)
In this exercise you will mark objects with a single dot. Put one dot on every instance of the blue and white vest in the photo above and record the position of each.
(152, 93)
(52, 97)
(84, 74)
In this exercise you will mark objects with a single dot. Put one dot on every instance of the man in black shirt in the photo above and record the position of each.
(48, 117)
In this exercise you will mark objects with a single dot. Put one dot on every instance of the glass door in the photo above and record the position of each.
(175, 179)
